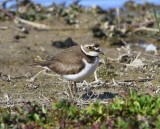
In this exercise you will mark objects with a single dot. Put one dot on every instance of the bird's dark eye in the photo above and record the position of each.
(89, 47)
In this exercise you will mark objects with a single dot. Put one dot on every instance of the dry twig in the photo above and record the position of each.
(3, 27)
(33, 24)
(143, 28)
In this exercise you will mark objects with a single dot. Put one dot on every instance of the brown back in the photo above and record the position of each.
(69, 61)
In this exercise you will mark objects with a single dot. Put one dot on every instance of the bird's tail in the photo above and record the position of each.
(39, 61)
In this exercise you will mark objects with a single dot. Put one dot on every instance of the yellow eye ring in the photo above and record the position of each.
(89, 47)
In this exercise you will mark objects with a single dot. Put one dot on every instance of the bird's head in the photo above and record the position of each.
(92, 49)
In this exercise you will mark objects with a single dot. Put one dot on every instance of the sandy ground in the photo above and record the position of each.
(16, 58)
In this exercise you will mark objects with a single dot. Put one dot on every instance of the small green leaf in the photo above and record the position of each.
(36, 117)
(44, 110)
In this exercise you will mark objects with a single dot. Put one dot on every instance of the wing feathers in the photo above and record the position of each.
(68, 68)
(67, 62)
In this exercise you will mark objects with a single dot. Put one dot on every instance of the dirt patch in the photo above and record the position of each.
(18, 49)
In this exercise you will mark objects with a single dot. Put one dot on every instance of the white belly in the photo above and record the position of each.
(83, 74)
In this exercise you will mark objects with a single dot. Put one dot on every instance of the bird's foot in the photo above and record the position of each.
(83, 85)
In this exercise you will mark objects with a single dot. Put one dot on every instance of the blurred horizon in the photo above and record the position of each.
(89, 3)
(102, 3)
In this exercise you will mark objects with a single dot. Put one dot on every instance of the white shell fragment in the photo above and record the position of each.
(151, 47)
(136, 63)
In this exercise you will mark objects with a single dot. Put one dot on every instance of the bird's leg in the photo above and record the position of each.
(75, 87)
(98, 81)
(70, 89)
(95, 76)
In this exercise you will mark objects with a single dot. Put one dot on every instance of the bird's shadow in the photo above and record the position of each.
(105, 95)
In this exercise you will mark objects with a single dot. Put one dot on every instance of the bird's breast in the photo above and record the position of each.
(85, 72)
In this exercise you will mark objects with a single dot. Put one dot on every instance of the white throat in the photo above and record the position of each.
(91, 53)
